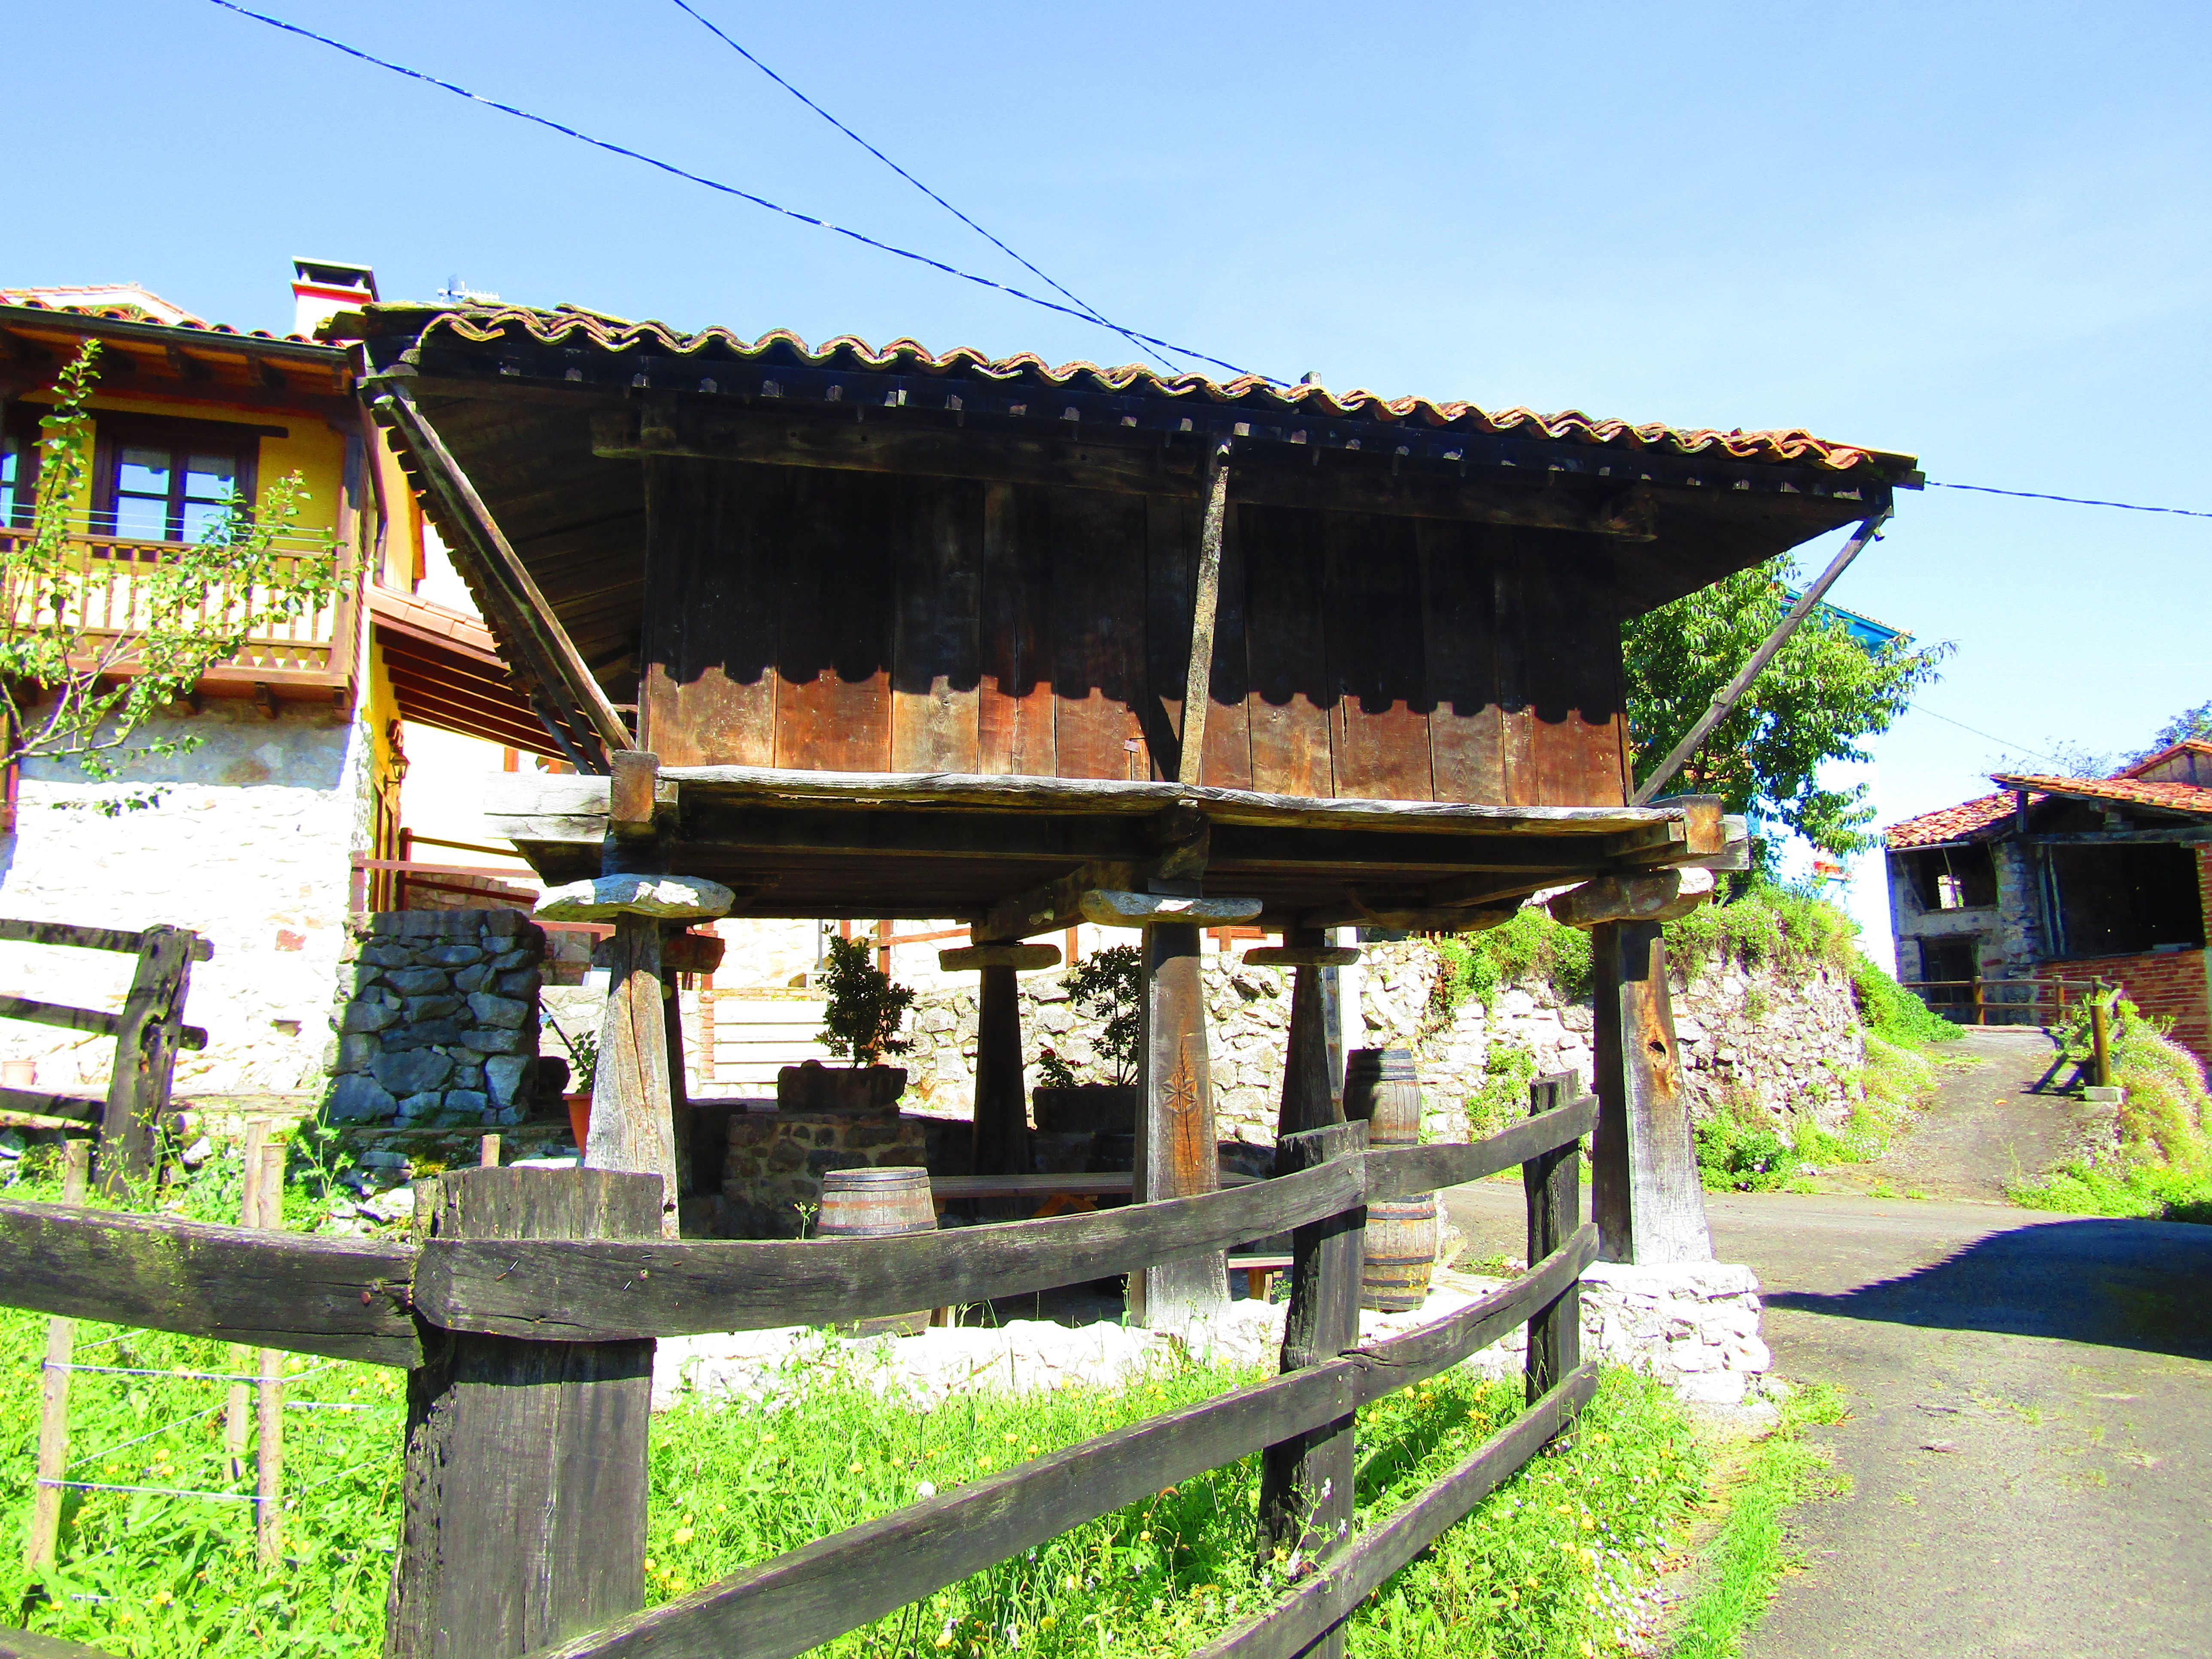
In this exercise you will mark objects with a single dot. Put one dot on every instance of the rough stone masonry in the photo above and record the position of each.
(436, 1024)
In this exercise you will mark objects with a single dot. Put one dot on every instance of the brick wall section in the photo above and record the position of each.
(2171, 984)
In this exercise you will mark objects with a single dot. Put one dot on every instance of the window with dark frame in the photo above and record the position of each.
(169, 481)
(19, 467)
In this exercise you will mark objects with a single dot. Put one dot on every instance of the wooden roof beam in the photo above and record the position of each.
(589, 721)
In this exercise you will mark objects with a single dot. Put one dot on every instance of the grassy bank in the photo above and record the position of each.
(1747, 1555)
(2156, 1160)
(160, 1560)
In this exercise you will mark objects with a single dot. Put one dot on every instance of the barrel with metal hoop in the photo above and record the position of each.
(877, 1203)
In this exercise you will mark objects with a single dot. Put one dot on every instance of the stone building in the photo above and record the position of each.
(2064, 879)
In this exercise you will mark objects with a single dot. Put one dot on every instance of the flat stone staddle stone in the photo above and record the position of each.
(665, 898)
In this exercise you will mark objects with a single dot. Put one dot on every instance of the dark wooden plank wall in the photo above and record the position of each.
(850, 622)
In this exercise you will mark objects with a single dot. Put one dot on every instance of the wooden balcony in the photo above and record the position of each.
(313, 652)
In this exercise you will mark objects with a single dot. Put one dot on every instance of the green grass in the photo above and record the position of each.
(2157, 1162)
(1747, 1557)
(1548, 1565)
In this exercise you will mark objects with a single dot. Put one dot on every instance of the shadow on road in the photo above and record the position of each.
(2139, 1285)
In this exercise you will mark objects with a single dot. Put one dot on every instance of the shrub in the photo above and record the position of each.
(1531, 946)
(2160, 1163)
(865, 1009)
(1894, 1014)
(1740, 1152)
(1107, 985)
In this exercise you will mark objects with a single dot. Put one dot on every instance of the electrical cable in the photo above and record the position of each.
(2016, 748)
(1095, 314)
(2071, 501)
(743, 195)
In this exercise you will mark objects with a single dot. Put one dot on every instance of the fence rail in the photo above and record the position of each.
(535, 1319)
(1973, 997)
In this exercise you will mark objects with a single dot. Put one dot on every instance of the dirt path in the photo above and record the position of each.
(2031, 1428)
(1988, 1125)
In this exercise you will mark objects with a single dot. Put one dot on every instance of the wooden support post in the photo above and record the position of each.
(1176, 1153)
(240, 1404)
(269, 1425)
(1650, 1207)
(679, 1090)
(1305, 1482)
(1001, 1132)
(632, 1119)
(146, 1042)
(54, 1390)
(1552, 1183)
(524, 1489)
(1310, 1100)
(2100, 1051)
(1205, 606)
(1002, 1123)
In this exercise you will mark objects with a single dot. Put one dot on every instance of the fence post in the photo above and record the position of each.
(53, 1392)
(1651, 1204)
(269, 1394)
(526, 1478)
(1305, 1482)
(145, 1057)
(1552, 1183)
(1981, 1002)
(249, 1215)
(2100, 1050)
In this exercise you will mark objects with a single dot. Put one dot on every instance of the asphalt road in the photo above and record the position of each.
(2031, 1405)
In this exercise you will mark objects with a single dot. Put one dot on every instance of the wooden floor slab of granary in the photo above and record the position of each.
(1013, 855)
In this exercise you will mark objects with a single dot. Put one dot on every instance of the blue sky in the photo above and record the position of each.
(1976, 233)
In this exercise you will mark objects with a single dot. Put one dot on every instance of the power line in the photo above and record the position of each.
(2073, 500)
(2016, 748)
(743, 195)
(1091, 310)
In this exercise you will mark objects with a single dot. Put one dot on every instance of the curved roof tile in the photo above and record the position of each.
(576, 326)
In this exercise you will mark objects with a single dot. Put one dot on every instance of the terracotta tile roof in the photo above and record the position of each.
(576, 326)
(2187, 746)
(2132, 791)
(119, 309)
(1950, 824)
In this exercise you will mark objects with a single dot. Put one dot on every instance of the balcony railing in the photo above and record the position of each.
(109, 575)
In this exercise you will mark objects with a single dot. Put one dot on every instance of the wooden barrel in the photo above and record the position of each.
(1379, 1087)
(1401, 1250)
(882, 1203)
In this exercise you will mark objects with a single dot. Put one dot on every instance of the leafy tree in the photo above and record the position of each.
(1820, 696)
(2189, 723)
(866, 1008)
(1108, 984)
(69, 690)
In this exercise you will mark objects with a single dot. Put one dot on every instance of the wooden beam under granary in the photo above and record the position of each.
(913, 635)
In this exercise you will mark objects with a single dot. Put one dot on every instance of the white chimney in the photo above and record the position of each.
(323, 288)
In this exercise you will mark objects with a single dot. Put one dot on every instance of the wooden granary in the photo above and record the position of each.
(882, 632)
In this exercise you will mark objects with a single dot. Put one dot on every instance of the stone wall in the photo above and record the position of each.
(1780, 1042)
(437, 1021)
(245, 840)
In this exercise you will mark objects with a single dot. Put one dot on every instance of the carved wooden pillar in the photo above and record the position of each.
(1177, 1153)
(1650, 1205)
(1002, 1120)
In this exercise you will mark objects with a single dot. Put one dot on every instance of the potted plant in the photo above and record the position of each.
(860, 1023)
(1104, 985)
(583, 1072)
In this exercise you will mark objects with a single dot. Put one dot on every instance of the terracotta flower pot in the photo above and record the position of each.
(580, 1116)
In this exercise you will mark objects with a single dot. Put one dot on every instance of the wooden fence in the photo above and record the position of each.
(527, 1308)
(148, 1033)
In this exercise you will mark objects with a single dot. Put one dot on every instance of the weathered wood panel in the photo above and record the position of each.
(1517, 721)
(837, 560)
(572, 1291)
(936, 666)
(1015, 647)
(1378, 691)
(306, 1295)
(1286, 650)
(1459, 642)
(1097, 571)
(706, 686)
(1395, 1171)
(1572, 662)
(524, 1489)
(1171, 542)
